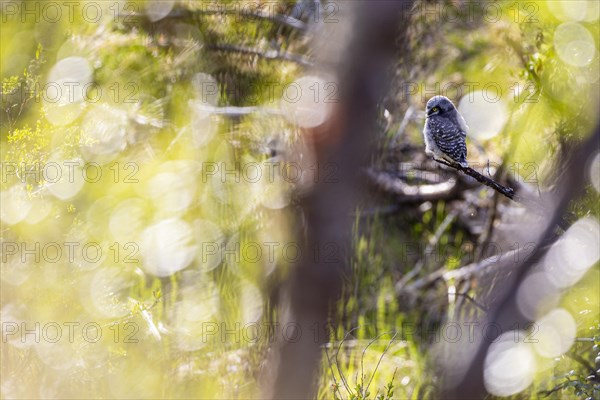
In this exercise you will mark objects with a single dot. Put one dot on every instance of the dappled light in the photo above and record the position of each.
(574, 44)
(366, 200)
(557, 332)
(509, 365)
(485, 113)
(576, 252)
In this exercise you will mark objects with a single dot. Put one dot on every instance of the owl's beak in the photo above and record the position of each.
(430, 112)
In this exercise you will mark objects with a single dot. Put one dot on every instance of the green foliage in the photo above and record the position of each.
(171, 358)
(19, 92)
(27, 145)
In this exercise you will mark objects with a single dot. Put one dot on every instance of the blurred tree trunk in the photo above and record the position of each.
(343, 142)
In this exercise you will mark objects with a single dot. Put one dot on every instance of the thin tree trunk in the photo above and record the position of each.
(343, 142)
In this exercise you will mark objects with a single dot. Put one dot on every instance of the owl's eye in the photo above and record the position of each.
(435, 109)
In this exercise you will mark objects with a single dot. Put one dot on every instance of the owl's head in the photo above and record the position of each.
(439, 105)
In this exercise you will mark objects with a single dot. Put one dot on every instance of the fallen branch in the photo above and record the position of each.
(478, 269)
(506, 191)
(411, 193)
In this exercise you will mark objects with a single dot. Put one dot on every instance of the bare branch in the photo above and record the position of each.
(506, 191)
(281, 19)
(262, 14)
(232, 111)
(268, 54)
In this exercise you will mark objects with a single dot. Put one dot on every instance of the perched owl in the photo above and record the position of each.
(445, 131)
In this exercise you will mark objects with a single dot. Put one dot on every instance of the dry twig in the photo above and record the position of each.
(506, 191)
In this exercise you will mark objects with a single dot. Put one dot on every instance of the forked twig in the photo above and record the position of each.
(381, 358)
(337, 365)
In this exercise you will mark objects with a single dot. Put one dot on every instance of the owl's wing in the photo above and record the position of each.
(450, 139)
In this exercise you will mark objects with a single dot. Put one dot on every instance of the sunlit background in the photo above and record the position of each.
(152, 152)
